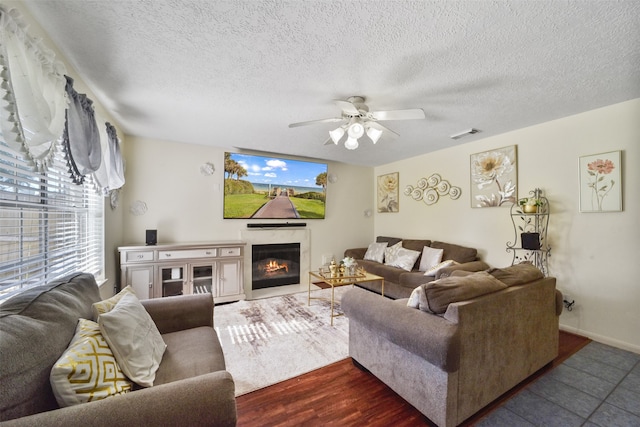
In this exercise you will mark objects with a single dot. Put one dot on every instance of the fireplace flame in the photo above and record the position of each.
(273, 266)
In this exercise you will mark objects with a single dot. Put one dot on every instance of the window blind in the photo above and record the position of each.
(49, 226)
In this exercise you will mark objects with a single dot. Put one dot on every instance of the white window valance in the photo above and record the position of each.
(110, 175)
(32, 92)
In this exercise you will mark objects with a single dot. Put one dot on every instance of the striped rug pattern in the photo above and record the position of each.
(270, 340)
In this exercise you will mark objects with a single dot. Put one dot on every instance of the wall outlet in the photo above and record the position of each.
(569, 303)
(326, 259)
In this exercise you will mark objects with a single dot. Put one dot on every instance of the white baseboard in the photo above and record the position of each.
(602, 339)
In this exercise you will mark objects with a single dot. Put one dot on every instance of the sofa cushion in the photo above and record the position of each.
(405, 259)
(411, 279)
(87, 370)
(415, 245)
(390, 274)
(435, 297)
(430, 257)
(375, 252)
(190, 353)
(457, 253)
(36, 327)
(134, 339)
(390, 240)
(517, 274)
(390, 253)
(461, 273)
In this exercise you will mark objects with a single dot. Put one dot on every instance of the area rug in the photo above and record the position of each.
(270, 340)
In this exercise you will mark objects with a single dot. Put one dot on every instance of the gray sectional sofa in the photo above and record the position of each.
(451, 364)
(191, 385)
(399, 283)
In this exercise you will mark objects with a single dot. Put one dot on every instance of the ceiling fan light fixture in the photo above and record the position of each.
(351, 143)
(356, 130)
(336, 135)
(374, 134)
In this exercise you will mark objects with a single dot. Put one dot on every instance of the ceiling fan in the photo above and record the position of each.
(356, 121)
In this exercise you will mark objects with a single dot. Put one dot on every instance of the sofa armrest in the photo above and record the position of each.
(426, 335)
(355, 253)
(559, 302)
(466, 266)
(177, 313)
(203, 400)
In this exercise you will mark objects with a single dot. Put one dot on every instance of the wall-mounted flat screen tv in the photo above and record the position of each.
(261, 187)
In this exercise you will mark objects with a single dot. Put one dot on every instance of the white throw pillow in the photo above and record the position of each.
(436, 268)
(417, 298)
(375, 252)
(87, 370)
(430, 257)
(107, 305)
(391, 252)
(134, 339)
(405, 259)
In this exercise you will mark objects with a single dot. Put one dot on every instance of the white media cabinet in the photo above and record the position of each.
(179, 269)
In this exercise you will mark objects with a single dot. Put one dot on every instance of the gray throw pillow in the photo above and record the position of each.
(434, 297)
(375, 252)
(518, 274)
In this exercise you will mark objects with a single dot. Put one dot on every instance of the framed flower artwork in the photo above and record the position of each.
(388, 192)
(494, 178)
(601, 182)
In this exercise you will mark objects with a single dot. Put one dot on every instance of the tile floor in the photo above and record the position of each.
(597, 386)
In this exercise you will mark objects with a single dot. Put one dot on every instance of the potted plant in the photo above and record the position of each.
(530, 204)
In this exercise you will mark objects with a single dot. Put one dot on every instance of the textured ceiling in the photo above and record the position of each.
(236, 73)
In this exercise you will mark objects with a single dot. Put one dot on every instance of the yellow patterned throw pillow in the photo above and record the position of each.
(107, 305)
(87, 370)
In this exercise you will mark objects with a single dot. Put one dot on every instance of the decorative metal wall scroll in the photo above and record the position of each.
(429, 190)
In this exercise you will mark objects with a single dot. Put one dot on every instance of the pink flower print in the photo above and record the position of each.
(601, 166)
(600, 186)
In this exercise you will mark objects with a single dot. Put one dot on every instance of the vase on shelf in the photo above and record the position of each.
(530, 209)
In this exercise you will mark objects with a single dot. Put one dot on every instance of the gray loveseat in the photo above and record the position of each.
(451, 365)
(191, 386)
(399, 283)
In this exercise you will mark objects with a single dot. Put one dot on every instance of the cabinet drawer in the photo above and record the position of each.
(229, 252)
(138, 256)
(187, 253)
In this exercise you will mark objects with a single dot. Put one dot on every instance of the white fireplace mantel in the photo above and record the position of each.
(263, 236)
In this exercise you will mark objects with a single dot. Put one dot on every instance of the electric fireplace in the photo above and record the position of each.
(276, 264)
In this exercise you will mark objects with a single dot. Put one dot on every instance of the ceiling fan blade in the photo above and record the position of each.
(412, 114)
(313, 122)
(348, 108)
(385, 129)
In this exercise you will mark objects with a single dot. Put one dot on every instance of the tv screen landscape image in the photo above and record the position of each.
(261, 187)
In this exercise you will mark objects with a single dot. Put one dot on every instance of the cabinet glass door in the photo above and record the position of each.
(202, 276)
(172, 280)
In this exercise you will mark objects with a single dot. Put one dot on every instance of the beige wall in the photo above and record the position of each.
(186, 206)
(594, 255)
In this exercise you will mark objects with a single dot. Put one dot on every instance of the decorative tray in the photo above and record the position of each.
(358, 275)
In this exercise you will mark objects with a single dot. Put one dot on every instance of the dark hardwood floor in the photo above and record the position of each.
(343, 395)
